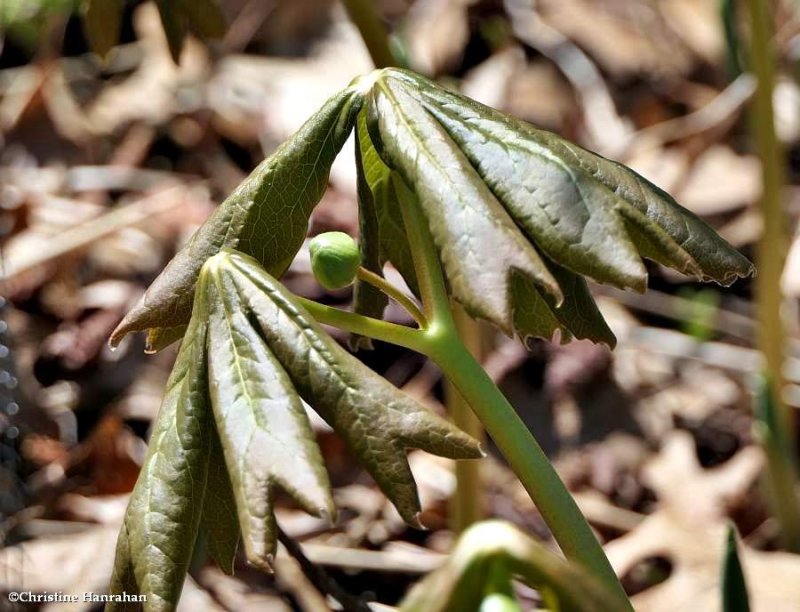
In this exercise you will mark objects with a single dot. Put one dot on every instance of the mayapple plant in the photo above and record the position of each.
(471, 206)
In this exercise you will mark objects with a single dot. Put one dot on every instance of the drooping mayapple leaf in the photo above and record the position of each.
(478, 241)
(264, 430)
(462, 582)
(161, 522)
(584, 211)
(266, 217)
(488, 184)
(377, 421)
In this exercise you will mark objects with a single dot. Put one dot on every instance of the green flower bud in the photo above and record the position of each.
(335, 259)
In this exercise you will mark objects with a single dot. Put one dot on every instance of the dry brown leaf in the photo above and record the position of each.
(689, 530)
(75, 564)
(436, 32)
(697, 23)
(624, 37)
(721, 181)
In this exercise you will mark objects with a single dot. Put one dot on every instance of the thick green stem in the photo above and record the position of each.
(528, 461)
(771, 257)
(509, 433)
(364, 15)
(467, 503)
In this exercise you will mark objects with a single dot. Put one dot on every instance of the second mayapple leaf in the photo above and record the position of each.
(233, 429)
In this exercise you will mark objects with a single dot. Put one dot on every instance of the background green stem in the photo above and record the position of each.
(364, 15)
(467, 506)
(770, 260)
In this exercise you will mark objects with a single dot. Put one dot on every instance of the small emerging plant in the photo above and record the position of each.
(471, 206)
(478, 572)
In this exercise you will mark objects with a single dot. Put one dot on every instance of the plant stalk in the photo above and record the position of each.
(381, 284)
(384, 331)
(364, 15)
(529, 463)
(770, 259)
(508, 431)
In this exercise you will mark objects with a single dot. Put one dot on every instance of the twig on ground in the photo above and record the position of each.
(320, 578)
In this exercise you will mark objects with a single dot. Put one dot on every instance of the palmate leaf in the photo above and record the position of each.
(266, 217)
(376, 420)
(233, 428)
(488, 184)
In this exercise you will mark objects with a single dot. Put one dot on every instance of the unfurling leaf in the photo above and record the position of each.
(266, 217)
(265, 434)
(497, 191)
(460, 584)
(376, 420)
(161, 523)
